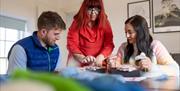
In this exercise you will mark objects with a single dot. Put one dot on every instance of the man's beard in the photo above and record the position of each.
(47, 42)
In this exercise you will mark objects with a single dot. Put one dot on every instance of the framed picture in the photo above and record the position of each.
(166, 16)
(140, 8)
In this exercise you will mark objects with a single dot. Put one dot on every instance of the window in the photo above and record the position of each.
(11, 30)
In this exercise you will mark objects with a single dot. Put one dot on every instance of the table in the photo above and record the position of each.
(167, 84)
(171, 84)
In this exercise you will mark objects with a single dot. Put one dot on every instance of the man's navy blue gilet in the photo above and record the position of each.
(38, 57)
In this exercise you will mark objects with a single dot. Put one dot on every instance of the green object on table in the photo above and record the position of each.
(58, 82)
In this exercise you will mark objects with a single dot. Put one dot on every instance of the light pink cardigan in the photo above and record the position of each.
(162, 58)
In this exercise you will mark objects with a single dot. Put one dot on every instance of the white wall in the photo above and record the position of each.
(21, 9)
(116, 10)
(117, 13)
(29, 10)
(24, 10)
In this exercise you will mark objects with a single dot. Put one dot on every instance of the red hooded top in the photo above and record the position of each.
(89, 41)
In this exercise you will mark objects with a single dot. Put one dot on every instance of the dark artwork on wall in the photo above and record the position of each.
(166, 15)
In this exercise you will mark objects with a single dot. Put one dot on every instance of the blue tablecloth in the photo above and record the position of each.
(95, 81)
(100, 81)
(3, 78)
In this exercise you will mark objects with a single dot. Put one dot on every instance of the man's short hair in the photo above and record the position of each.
(49, 20)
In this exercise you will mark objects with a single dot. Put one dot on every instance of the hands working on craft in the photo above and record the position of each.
(143, 62)
(94, 61)
(88, 60)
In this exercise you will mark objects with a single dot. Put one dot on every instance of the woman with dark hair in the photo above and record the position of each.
(90, 38)
(142, 51)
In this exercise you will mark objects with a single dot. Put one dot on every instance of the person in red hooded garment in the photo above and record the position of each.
(90, 37)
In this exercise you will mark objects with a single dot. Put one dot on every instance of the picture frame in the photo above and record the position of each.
(142, 8)
(166, 16)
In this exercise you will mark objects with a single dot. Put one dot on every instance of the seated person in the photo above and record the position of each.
(140, 43)
(39, 51)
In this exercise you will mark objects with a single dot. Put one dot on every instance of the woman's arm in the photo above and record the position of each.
(73, 42)
(164, 60)
(108, 45)
(73, 39)
(116, 60)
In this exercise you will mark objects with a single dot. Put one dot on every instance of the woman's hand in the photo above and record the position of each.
(114, 61)
(84, 59)
(99, 60)
(88, 59)
(145, 64)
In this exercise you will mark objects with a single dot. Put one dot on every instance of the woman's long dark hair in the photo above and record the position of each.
(143, 37)
(82, 16)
